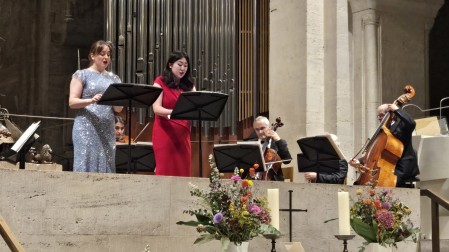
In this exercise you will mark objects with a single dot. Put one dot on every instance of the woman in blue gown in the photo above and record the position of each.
(93, 131)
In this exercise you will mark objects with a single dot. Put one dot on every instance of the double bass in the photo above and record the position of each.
(383, 150)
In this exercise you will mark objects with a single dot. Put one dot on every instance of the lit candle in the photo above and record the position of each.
(343, 213)
(273, 205)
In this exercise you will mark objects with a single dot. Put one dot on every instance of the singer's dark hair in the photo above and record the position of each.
(186, 82)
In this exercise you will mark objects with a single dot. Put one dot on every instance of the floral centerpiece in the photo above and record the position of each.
(229, 211)
(380, 218)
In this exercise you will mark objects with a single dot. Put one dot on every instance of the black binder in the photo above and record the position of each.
(319, 154)
(130, 95)
(142, 158)
(201, 106)
(230, 156)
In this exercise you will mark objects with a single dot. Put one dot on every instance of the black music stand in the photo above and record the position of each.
(142, 158)
(20, 148)
(130, 95)
(201, 106)
(319, 154)
(230, 156)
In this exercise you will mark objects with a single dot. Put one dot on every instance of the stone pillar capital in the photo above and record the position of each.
(370, 18)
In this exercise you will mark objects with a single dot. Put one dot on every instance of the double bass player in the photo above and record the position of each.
(401, 126)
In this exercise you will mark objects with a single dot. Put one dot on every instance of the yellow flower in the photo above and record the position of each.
(250, 183)
(241, 170)
(359, 192)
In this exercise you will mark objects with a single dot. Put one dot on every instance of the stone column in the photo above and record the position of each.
(371, 69)
(315, 68)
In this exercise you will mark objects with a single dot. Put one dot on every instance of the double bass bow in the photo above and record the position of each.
(383, 150)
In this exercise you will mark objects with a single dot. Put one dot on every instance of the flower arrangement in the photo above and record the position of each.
(380, 218)
(229, 211)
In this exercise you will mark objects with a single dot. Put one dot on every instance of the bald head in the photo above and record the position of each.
(381, 111)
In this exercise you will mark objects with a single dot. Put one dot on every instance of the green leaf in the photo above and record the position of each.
(204, 238)
(210, 229)
(268, 229)
(188, 223)
(202, 218)
(369, 233)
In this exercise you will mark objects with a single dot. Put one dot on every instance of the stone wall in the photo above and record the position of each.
(65, 211)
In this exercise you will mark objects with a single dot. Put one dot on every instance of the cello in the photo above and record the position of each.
(383, 150)
(272, 160)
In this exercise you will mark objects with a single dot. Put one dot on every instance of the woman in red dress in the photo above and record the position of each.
(171, 138)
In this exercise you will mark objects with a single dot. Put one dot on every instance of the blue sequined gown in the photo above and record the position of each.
(93, 131)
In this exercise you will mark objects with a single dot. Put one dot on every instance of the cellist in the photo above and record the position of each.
(261, 126)
(401, 126)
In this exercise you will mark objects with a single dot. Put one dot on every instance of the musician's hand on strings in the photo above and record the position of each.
(392, 107)
(356, 164)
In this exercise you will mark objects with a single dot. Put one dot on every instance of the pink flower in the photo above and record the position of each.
(386, 205)
(235, 178)
(385, 218)
(254, 209)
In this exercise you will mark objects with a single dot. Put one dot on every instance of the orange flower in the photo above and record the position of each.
(367, 201)
(377, 204)
(243, 199)
(244, 183)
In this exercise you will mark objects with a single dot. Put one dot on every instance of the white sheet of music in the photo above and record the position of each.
(25, 136)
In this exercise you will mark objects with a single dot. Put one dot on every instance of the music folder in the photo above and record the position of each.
(142, 157)
(201, 106)
(319, 154)
(241, 155)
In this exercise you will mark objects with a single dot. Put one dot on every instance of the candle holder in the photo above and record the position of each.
(345, 239)
(273, 238)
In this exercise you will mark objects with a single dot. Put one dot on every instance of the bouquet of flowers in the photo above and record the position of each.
(229, 211)
(379, 218)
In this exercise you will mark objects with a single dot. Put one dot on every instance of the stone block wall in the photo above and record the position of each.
(65, 211)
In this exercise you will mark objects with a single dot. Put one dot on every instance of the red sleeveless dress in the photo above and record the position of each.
(171, 138)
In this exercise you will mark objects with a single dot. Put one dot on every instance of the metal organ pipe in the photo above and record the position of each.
(145, 32)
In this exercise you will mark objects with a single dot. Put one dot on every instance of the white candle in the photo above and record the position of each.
(273, 205)
(343, 213)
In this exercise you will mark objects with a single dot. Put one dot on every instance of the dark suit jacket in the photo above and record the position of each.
(281, 149)
(337, 177)
(407, 166)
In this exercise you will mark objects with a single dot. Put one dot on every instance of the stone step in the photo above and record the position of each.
(426, 245)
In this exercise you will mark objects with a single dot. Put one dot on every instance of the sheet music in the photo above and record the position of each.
(139, 143)
(252, 143)
(25, 136)
(335, 146)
